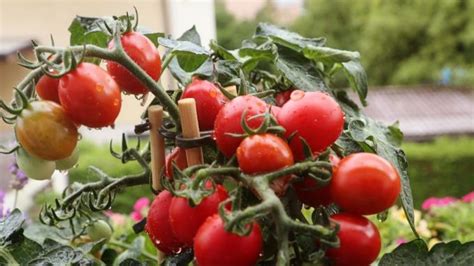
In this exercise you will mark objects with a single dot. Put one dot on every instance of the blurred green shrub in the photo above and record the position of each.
(440, 168)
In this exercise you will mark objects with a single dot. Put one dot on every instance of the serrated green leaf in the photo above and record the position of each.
(189, 55)
(134, 252)
(184, 77)
(222, 52)
(191, 35)
(10, 225)
(299, 70)
(357, 78)
(416, 253)
(24, 251)
(329, 55)
(287, 38)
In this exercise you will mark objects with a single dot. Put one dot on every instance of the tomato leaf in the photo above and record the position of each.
(357, 78)
(287, 38)
(90, 30)
(416, 253)
(134, 252)
(10, 226)
(329, 55)
(191, 35)
(300, 71)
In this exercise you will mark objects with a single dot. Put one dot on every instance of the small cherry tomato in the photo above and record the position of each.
(228, 121)
(178, 156)
(209, 101)
(283, 96)
(264, 153)
(158, 224)
(33, 167)
(90, 96)
(359, 239)
(186, 220)
(99, 230)
(314, 116)
(365, 183)
(47, 88)
(68, 162)
(312, 194)
(275, 110)
(144, 53)
(214, 246)
(44, 130)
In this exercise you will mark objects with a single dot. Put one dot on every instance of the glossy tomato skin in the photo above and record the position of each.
(365, 183)
(158, 224)
(264, 153)
(228, 121)
(186, 220)
(213, 246)
(359, 239)
(178, 156)
(275, 110)
(47, 88)
(282, 97)
(312, 194)
(144, 53)
(209, 101)
(44, 130)
(90, 96)
(34, 167)
(315, 116)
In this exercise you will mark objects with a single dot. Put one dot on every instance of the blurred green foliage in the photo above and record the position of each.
(443, 167)
(401, 42)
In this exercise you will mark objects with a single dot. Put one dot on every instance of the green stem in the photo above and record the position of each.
(166, 62)
(203, 173)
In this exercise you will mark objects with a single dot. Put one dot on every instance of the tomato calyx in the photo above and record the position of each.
(268, 125)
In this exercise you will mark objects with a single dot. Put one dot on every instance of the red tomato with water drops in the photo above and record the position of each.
(214, 246)
(264, 153)
(186, 220)
(90, 96)
(228, 121)
(282, 97)
(359, 239)
(158, 224)
(365, 183)
(310, 193)
(178, 156)
(315, 116)
(144, 53)
(209, 101)
(47, 88)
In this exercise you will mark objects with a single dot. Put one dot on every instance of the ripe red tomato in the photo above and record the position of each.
(315, 116)
(178, 156)
(265, 153)
(90, 96)
(144, 53)
(275, 110)
(44, 130)
(47, 88)
(359, 241)
(282, 97)
(186, 220)
(214, 246)
(310, 193)
(365, 183)
(158, 224)
(209, 101)
(228, 121)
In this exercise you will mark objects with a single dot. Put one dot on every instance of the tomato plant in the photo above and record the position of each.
(143, 52)
(314, 116)
(47, 88)
(34, 167)
(228, 121)
(158, 224)
(209, 101)
(365, 183)
(177, 156)
(98, 230)
(283, 96)
(185, 220)
(359, 238)
(213, 245)
(90, 96)
(44, 131)
(69, 162)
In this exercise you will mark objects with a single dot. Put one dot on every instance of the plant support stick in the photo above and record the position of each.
(155, 115)
(190, 127)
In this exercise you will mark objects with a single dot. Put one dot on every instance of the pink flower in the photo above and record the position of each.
(437, 202)
(140, 208)
(116, 218)
(469, 197)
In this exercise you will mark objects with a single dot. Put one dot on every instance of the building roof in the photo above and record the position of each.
(424, 112)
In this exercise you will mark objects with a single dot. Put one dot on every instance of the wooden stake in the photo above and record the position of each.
(155, 116)
(190, 126)
(232, 89)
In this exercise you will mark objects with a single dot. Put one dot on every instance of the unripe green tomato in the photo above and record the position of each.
(68, 162)
(34, 167)
(98, 230)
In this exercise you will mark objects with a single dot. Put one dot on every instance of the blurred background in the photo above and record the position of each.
(419, 56)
